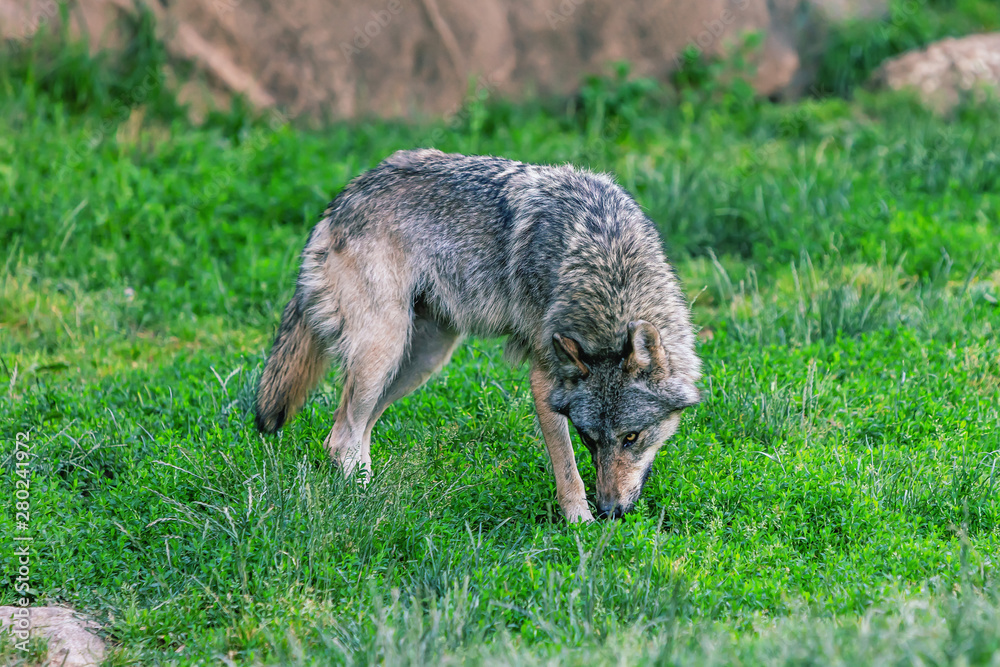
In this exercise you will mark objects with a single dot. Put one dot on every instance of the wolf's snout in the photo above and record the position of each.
(610, 509)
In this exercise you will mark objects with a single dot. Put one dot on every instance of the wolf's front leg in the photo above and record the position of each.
(555, 429)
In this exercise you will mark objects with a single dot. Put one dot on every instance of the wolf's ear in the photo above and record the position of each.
(644, 353)
(568, 351)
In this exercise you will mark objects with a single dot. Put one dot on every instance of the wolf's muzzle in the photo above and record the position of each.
(609, 509)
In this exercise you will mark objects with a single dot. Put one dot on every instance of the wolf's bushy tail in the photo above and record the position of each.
(296, 362)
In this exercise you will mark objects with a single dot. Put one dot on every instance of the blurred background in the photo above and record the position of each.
(340, 59)
(753, 129)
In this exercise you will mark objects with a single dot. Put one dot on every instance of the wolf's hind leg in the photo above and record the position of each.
(555, 429)
(431, 345)
(379, 342)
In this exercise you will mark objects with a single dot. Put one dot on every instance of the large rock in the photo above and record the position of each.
(72, 640)
(947, 71)
(345, 58)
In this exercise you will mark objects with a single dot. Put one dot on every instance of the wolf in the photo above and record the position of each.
(428, 247)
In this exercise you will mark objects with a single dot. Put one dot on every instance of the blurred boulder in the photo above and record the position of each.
(947, 71)
(344, 58)
(72, 639)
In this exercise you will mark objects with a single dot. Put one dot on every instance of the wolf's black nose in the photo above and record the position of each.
(609, 509)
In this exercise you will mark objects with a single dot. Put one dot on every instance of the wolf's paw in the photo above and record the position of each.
(361, 473)
(578, 513)
(355, 466)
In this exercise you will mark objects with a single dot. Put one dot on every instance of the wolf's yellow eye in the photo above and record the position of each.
(631, 438)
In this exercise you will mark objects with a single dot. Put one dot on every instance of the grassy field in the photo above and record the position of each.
(834, 500)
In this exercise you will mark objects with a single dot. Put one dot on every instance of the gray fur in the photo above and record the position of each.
(492, 247)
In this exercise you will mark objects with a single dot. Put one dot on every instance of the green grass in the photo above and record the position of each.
(835, 499)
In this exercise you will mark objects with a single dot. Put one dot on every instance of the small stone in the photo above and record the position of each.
(72, 639)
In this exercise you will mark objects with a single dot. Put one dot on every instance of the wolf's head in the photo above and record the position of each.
(624, 407)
